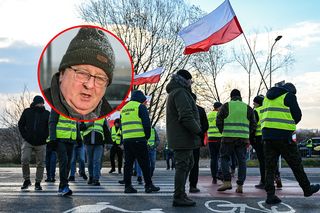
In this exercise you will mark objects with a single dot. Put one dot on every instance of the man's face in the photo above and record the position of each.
(82, 95)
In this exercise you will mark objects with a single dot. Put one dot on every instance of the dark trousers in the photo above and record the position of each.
(289, 151)
(169, 155)
(116, 150)
(258, 147)
(136, 150)
(65, 151)
(183, 165)
(214, 148)
(51, 161)
(194, 173)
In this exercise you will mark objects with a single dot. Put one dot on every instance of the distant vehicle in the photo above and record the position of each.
(303, 149)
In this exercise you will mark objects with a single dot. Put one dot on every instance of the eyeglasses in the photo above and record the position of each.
(84, 76)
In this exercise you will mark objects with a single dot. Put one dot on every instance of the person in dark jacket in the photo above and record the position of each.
(279, 115)
(116, 146)
(33, 127)
(85, 72)
(236, 122)
(183, 131)
(194, 173)
(136, 129)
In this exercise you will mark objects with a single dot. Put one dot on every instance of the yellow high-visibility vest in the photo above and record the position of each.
(213, 130)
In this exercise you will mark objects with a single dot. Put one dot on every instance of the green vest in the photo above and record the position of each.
(213, 130)
(274, 114)
(116, 135)
(66, 128)
(131, 122)
(97, 127)
(236, 125)
(258, 130)
(309, 143)
(152, 138)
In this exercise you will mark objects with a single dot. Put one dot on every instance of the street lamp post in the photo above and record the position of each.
(275, 41)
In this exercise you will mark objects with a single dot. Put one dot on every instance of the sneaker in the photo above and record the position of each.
(152, 188)
(183, 202)
(65, 191)
(194, 189)
(112, 171)
(260, 186)
(71, 178)
(121, 181)
(272, 199)
(139, 179)
(313, 189)
(130, 189)
(26, 184)
(96, 183)
(90, 181)
(84, 176)
(37, 186)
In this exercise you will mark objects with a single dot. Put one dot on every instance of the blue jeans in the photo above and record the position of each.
(137, 168)
(152, 160)
(78, 155)
(238, 146)
(51, 161)
(94, 154)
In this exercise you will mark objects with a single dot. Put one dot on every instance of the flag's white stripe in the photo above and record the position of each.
(151, 73)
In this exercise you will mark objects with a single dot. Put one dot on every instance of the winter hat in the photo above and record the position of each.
(37, 100)
(234, 93)
(258, 99)
(217, 104)
(137, 95)
(290, 87)
(117, 121)
(90, 46)
(185, 74)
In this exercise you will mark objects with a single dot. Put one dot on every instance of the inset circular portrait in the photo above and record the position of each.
(85, 72)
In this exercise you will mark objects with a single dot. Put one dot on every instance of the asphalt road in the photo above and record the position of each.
(109, 197)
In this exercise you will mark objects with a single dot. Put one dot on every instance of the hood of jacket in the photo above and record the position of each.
(138, 96)
(177, 82)
(275, 92)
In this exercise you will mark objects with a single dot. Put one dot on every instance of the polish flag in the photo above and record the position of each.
(218, 27)
(150, 77)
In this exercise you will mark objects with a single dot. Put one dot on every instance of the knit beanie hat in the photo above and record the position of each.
(258, 99)
(37, 100)
(185, 74)
(90, 46)
(234, 93)
(217, 104)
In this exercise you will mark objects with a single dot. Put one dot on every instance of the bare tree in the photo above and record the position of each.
(149, 29)
(9, 120)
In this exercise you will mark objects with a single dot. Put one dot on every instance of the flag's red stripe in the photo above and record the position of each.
(229, 32)
(147, 80)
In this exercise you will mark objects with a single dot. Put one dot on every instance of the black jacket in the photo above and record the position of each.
(203, 122)
(52, 95)
(224, 112)
(290, 101)
(144, 115)
(33, 125)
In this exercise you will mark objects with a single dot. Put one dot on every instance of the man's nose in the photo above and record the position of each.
(90, 82)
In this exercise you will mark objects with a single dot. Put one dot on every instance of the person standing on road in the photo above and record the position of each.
(194, 173)
(183, 131)
(279, 115)
(116, 146)
(169, 155)
(153, 143)
(136, 128)
(309, 146)
(33, 127)
(235, 121)
(214, 141)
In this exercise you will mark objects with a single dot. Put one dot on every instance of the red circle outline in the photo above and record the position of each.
(132, 72)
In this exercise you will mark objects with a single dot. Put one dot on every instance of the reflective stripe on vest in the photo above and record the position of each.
(116, 135)
(131, 122)
(274, 114)
(258, 130)
(97, 127)
(66, 128)
(152, 138)
(213, 130)
(236, 125)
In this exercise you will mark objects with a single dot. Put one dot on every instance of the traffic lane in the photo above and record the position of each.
(152, 204)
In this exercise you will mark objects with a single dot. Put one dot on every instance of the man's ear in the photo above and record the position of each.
(61, 75)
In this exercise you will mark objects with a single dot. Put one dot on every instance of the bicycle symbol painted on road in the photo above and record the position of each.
(224, 206)
(98, 207)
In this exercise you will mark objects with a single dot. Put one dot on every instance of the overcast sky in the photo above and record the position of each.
(28, 25)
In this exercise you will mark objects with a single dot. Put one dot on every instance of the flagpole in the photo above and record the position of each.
(254, 58)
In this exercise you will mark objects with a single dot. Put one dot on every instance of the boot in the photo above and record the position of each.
(226, 186)
(313, 189)
(151, 188)
(239, 189)
(194, 189)
(214, 180)
(273, 199)
(260, 186)
(112, 171)
(90, 181)
(26, 184)
(183, 201)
